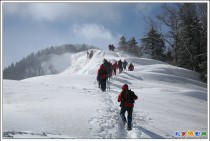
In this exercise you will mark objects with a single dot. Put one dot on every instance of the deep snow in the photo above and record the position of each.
(70, 104)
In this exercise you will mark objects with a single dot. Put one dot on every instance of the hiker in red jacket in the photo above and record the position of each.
(127, 98)
(101, 77)
(130, 67)
(114, 68)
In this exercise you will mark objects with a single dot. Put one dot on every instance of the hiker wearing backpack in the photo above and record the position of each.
(126, 99)
(114, 68)
(120, 66)
(125, 63)
(91, 54)
(101, 77)
(130, 67)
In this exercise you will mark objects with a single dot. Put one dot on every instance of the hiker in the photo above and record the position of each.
(114, 68)
(112, 48)
(130, 67)
(106, 64)
(126, 99)
(101, 77)
(120, 66)
(109, 74)
(91, 54)
(109, 69)
(124, 64)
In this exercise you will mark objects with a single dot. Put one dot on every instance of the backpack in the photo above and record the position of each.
(128, 96)
(131, 67)
(102, 74)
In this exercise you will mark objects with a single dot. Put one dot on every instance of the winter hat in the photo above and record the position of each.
(125, 87)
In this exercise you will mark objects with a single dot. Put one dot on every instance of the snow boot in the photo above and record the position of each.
(129, 128)
(129, 123)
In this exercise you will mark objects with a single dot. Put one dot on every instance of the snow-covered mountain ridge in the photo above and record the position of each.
(70, 104)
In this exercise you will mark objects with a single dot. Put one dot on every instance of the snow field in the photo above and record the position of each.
(70, 104)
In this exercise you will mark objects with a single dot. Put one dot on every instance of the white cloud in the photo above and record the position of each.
(94, 34)
(63, 11)
(43, 11)
(92, 31)
(36, 11)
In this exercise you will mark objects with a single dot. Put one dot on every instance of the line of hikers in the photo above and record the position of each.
(107, 69)
(122, 65)
(126, 96)
(111, 47)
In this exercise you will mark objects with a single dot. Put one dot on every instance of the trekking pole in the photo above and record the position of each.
(109, 83)
(106, 84)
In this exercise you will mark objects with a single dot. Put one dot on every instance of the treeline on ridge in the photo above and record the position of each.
(31, 65)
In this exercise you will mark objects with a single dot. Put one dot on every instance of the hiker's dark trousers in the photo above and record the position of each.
(122, 114)
(103, 84)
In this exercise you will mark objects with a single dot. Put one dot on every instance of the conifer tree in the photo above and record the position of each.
(191, 38)
(123, 43)
(187, 35)
(153, 45)
(132, 47)
(202, 13)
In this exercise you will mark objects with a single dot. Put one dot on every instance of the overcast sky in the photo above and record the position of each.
(29, 27)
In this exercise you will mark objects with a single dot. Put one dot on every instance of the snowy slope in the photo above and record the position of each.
(70, 104)
(57, 62)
